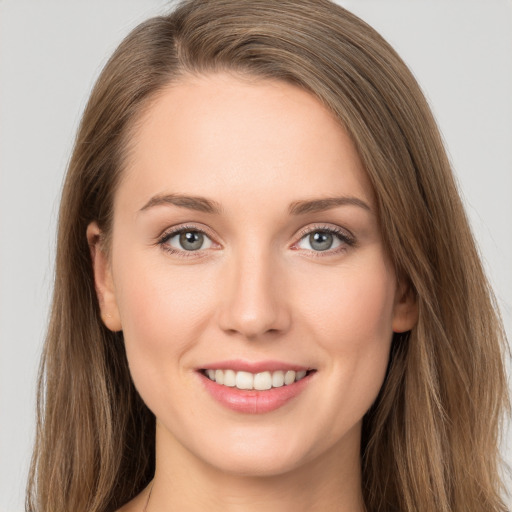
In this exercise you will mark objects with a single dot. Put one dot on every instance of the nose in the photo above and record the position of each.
(254, 303)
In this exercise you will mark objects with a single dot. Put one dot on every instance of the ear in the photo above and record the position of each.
(103, 280)
(405, 311)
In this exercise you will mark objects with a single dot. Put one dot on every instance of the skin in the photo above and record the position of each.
(257, 291)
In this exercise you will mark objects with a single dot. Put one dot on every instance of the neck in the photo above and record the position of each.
(331, 483)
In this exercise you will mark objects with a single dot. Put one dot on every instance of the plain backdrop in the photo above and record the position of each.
(50, 54)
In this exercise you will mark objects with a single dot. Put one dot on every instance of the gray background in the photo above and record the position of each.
(50, 54)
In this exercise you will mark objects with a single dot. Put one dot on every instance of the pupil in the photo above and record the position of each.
(191, 240)
(320, 240)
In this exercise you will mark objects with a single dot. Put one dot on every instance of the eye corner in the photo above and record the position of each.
(204, 242)
(340, 240)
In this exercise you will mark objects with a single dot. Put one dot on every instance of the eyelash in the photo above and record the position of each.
(347, 240)
(167, 235)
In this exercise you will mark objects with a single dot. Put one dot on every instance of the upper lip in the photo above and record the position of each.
(240, 365)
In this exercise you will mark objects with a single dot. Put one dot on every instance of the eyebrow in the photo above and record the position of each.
(200, 204)
(204, 205)
(320, 205)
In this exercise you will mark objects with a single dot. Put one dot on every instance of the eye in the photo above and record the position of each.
(187, 240)
(324, 239)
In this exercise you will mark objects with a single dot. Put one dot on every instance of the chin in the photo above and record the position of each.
(266, 452)
(259, 465)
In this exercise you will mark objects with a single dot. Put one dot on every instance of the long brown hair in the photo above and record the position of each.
(430, 442)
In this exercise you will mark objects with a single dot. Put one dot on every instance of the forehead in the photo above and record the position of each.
(229, 136)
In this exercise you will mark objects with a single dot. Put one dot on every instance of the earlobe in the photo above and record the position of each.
(103, 280)
(405, 313)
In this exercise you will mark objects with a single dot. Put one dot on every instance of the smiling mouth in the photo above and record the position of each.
(261, 381)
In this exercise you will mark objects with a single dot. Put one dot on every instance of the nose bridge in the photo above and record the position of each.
(254, 304)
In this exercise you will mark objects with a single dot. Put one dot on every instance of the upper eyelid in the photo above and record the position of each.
(332, 228)
(169, 233)
(174, 230)
(301, 232)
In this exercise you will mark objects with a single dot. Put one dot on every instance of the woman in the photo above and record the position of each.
(259, 303)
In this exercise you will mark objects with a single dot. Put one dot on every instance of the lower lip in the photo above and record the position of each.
(252, 401)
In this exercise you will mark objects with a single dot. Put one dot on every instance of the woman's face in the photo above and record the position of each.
(246, 249)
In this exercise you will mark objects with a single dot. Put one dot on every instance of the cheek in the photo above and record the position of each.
(154, 295)
(163, 312)
(350, 313)
(351, 306)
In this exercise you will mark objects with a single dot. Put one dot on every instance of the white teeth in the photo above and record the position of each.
(300, 375)
(244, 380)
(262, 381)
(229, 378)
(278, 379)
(219, 376)
(289, 377)
(259, 381)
